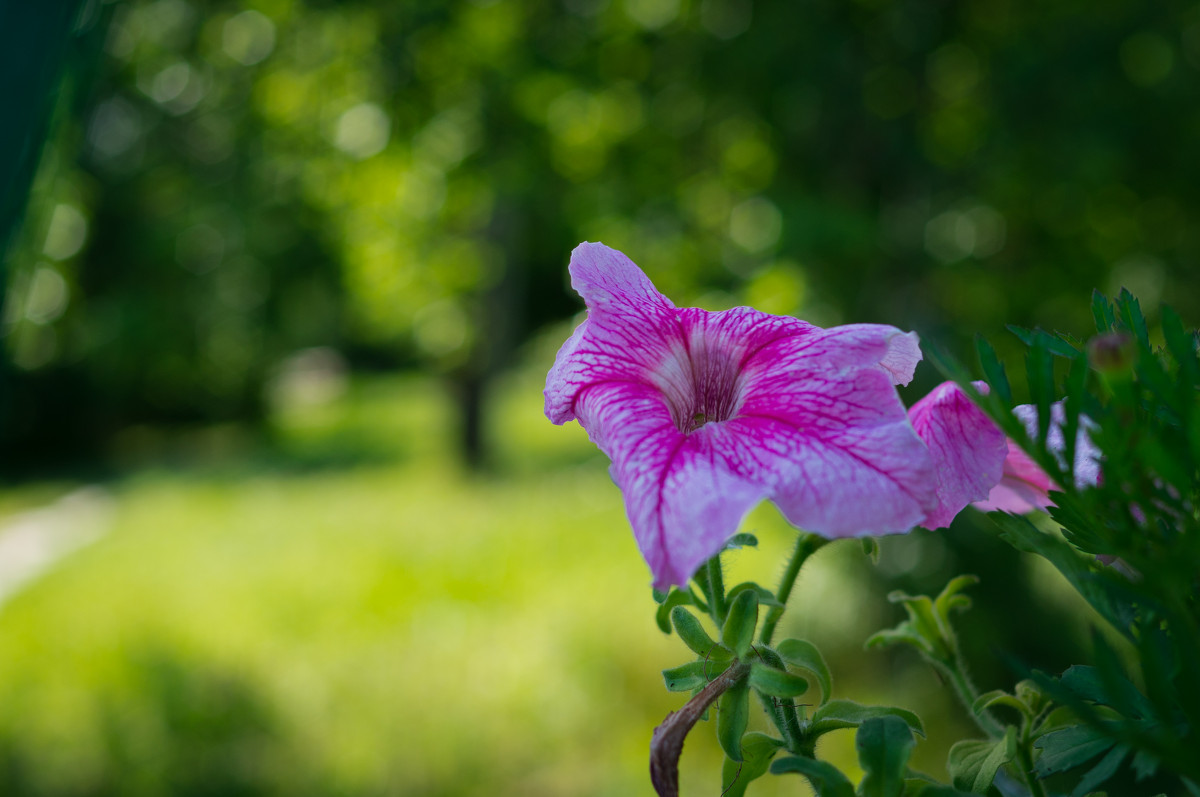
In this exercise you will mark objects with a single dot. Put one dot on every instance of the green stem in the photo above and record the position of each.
(716, 586)
(1026, 762)
(957, 675)
(806, 546)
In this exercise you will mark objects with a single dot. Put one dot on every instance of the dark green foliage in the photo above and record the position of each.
(1129, 543)
(973, 764)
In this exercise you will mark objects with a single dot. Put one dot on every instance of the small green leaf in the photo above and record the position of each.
(826, 779)
(973, 764)
(733, 714)
(741, 540)
(950, 600)
(1069, 747)
(998, 697)
(870, 547)
(685, 677)
(1055, 344)
(884, 745)
(802, 654)
(993, 370)
(691, 632)
(659, 596)
(765, 596)
(758, 749)
(738, 633)
(1102, 312)
(674, 598)
(847, 714)
(1102, 771)
(776, 683)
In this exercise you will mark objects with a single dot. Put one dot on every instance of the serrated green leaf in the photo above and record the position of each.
(884, 745)
(1102, 771)
(757, 750)
(993, 370)
(733, 714)
(826, 779)
(738, 632)
(1130, 312)
(674, 598)
(1069, 747)
(973, 764)
(1102, 312)
(686, 677)
(776, 683)
(1055, 344)
(803, 654)
(691, 631)
(847, 714)
(1144, 763)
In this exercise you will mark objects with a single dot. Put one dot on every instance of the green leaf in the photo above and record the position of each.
(950, 600)
(758, 749)
(1102, 312)
(738, 633)
(884, 745)
(826, 779)
(998, 697)
(993, 370)
(1069, 747)
(1130, 312)
(687, 677)
(802, 654)
(691, 632)
(1102, 771)
(741, 540)
(659, 596)
(674, 598)
(870, 548)
(1055, 344)
(776, 683)
(765, 596)
(847, 714)
(973, 764)
(733, 714)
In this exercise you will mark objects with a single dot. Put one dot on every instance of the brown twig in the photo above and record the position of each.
(666, 744)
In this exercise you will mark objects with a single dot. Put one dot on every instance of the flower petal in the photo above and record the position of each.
(682, 500)
(968, 449)
(851, 346)
(835, 450)
(1025, 486)
(630, 330)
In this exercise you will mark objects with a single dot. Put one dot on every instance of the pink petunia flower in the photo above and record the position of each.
(704, 414)
(1025, 487)
(968, 449)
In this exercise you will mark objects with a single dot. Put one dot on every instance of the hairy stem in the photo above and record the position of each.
(956, 673)
(1025, 761)
(806, 546)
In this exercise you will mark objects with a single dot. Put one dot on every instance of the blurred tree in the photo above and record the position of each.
(406, 180)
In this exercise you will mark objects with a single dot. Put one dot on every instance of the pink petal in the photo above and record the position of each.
(630, 329)
(683, 502)
(1025, 486)
(836, 452)
(968, 449)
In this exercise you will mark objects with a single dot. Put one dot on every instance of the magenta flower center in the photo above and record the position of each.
(701, 384)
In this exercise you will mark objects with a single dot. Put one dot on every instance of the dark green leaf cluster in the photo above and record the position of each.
(1127, 541)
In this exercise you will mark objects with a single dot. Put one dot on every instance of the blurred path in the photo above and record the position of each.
(31, 542)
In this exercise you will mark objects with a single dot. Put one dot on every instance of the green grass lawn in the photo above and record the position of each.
(353, 614)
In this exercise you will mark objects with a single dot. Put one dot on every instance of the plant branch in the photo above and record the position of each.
(666, 744)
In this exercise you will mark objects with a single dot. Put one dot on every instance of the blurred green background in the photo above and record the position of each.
(281, 281)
